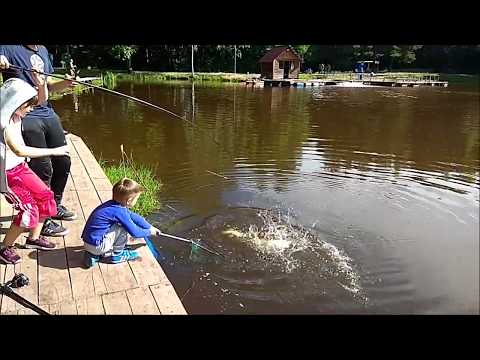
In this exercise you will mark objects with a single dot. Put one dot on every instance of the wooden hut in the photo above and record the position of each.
(281, 62)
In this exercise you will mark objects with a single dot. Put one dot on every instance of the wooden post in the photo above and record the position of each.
(193, 46)
(235, 60)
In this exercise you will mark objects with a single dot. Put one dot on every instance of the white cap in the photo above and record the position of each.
(13, 93)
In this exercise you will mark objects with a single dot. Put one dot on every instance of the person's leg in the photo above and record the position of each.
(35, 204)
(120, 239)
(34, 132)
(93, 254)
(7, 253)
(12, 235)
(55, 137)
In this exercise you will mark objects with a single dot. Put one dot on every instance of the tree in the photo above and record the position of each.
(124, 53)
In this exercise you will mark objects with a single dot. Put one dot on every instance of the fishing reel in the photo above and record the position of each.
(73, 69)
(18, 281)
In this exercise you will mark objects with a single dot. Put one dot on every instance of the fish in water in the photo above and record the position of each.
(234, 233)
(260, 239)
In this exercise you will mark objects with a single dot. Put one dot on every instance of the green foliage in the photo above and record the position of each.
(145, 176)
(109, 80)
(123, 52)
(219, 58)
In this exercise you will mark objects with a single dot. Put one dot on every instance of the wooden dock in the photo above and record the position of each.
(58, 281)
(352, 83)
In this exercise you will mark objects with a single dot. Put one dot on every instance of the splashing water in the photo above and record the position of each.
(278, 240)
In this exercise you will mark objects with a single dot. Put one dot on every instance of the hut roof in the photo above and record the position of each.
(275, 52)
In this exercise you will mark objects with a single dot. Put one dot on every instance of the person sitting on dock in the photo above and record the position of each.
(18, 183)
(106, 232)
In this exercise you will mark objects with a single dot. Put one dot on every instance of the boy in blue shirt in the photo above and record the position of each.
(106, 232)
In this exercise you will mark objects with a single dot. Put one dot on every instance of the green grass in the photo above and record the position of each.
(151, 77)
(109, 80)
(149, 200)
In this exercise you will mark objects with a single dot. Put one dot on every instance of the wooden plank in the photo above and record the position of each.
(105, 195)
(90, 306)
(118, 277)
(3, 267)
(53, 277)
(147, 271)
(142, 301)
(80, 176)
(98, 280)
(103, 184)
(5, 212)
(29, 267)
(94, 169)
(89, 200)
(167, 299)
(81, 279)
(85, 282)
(116, 304)
(9, 305)
(68, 308)
(54, 309)
(26, 311)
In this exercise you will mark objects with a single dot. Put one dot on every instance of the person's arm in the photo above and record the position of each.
(57, 86)
(21, 150)
(124, 218)
(42, 88)
(144, 224)
(4, 64)
(139, 220)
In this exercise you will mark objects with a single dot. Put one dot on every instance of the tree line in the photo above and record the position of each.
(221, 58)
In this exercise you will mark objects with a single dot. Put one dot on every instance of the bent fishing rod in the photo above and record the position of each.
(140, 101)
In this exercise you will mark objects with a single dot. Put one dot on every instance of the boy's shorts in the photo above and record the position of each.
(115, 239)
(30, 196)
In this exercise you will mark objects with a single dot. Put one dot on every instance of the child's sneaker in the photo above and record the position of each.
(8, 255)
(125, 255)
(89, 259)
(41, 243)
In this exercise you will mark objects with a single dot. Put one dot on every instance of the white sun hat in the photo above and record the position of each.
(13, 93)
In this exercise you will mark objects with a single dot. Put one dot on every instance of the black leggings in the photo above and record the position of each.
(47, 132)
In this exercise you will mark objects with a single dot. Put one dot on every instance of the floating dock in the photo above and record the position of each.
(352, 83)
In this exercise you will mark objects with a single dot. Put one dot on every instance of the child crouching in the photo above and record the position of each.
(106, 232)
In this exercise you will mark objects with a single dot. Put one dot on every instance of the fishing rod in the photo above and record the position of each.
(140, 101)
(191, 242)
(20, 280)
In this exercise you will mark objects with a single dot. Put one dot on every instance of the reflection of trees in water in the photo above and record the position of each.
(403, 131)
(271, 125)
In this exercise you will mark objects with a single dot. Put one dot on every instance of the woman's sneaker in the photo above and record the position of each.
(8, 255)
(89, 259)
(41, 243)
(64, 214)
(125, 255)
(51, 228)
